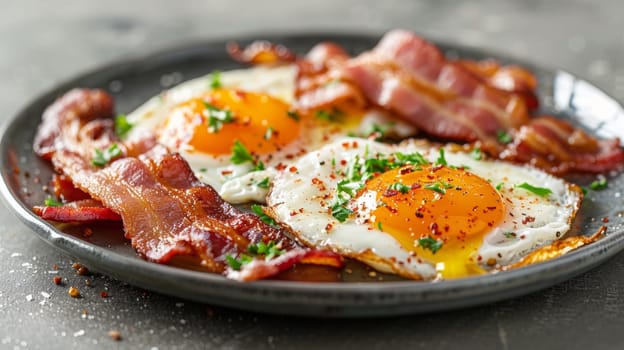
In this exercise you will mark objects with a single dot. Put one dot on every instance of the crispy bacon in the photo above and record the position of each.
(319, 81)
(83, 211)
(77, 121)
(556, 146)
(65, 190)
(166, 210)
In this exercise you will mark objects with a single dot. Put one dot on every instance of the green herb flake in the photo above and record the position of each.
(330, 116)
(441, 159)
(540, 191)
(269, 249)
(264, 183)
(503, 137)
(215, 80)
(430, 243)
(379, 227)
(476, 154)
(217, 117)
(234, 263)
(52, 202)
(397, 186)
(340, 212)
(102, 157)
(598, 185)
(439, 187)
(510, 234)
(122, 125)
(257, 209)
(258, 166)
(411, 158)
(293, 115)
(500, 186)
(240, 154)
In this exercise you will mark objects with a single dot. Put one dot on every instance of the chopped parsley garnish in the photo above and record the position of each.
(51, 202)
(294, 115)
(122, 125)
(410, 158)
(217, 117)
(331, 116)
(268, 133)
(215, 79)
(340, 212)
(258, 166)
(240, 154)
(264, 183)
(348, 187)
(441, 159)
(499, 186)
(540, 191)
(503, 136)
(598, 185)
(510, 234)
(397, 186)
(233, 262)
(269, 250)
(257, 209)
(101, 158)
(476, 154)
(430, 243)
(379, 226)
(439, 186)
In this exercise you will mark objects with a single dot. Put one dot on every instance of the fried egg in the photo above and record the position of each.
(418, 210)
(236, 128)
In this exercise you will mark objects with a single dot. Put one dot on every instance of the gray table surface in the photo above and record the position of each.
(45, 42)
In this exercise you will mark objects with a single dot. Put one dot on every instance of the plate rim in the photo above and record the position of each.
(569, 265)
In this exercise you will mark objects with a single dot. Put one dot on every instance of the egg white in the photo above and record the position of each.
(295, 202)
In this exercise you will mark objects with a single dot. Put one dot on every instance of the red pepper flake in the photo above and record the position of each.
(293, 169)
(527, 220)
(280, 166)
(104, 294)
(354, 144)
(293, 213)
(82, 271)
(434, 228)
(57, 280)
(390, 193)
(87, 232)
(226, 172)
(240, 94)
(76, 266)
(419, 215)
(343, 162)
(605, 219)
(437, 167)
(405, 171)
(317, 181)
(416, 186)
(345, 144)
(328, 227)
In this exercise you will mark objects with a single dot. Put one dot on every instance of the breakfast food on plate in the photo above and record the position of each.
(321, 152)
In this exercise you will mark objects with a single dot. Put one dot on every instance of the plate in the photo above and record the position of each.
(133, 81)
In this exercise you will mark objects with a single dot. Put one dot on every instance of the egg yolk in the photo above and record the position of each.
(212, 123)
(438, 212)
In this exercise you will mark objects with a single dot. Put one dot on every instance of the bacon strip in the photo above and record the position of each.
(166, 210)
(84, 211)
(556, 146)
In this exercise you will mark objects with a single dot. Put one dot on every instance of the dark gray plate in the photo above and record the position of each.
(133, 81)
